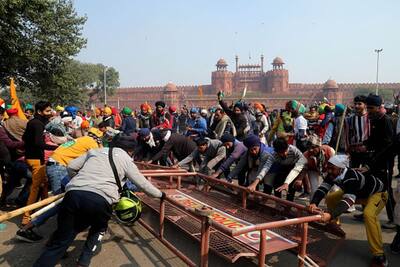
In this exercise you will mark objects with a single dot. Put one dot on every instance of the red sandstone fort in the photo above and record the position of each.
(270, 87)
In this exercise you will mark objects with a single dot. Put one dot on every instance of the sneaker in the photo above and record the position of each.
(389, 225)
(351, 209)
(358, 217)
(28, 236)
(379, 261)
(395, 246)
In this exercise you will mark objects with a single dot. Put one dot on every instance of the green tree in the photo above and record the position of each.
(75, 83)
(112, 81)
(38, 38)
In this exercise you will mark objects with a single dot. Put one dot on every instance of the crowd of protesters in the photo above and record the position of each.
(345, 154)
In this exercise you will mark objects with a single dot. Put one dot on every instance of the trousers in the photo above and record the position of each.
(39, 185)
(79, 210)
(373, 206)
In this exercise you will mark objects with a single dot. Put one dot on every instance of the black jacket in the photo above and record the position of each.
(239, 120)
(180, 145)
(380, 142)
(34, 138)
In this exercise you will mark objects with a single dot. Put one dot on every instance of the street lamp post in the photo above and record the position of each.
(105, 86)
(377, 69)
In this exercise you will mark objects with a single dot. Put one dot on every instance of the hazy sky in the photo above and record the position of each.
(152, 42)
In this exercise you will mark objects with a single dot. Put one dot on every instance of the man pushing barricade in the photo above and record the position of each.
(355, 187)
(208, 155)
(90, 196)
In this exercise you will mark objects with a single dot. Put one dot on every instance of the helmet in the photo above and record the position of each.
(127, 111)
(129, 208)
(96, 132)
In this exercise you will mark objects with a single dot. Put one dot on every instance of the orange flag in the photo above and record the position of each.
(200, 91)
(15, 101)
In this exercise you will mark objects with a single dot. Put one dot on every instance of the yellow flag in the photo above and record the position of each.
(15, 101)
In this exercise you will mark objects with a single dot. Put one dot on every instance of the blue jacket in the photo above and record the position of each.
(198, 125)
(128, 125)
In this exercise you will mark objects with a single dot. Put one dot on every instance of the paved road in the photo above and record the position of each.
(135, 246)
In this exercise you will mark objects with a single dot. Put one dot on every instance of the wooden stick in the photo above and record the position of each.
(340, 129)
(46, 208)
(33, 206)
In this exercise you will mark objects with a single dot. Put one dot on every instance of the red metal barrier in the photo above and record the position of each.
(206, 222)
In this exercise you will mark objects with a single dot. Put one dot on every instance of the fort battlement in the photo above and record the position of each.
(271, 87)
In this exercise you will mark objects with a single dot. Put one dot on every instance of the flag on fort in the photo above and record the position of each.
(15, 101)
(200, 91)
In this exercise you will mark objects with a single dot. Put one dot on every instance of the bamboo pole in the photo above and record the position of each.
(33, 206)
(46, 208)
(340, 129)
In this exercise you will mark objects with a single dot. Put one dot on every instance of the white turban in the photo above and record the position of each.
(66, 119)
(341, 161)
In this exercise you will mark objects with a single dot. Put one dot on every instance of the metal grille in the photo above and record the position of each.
(321, 246)
(219, 242)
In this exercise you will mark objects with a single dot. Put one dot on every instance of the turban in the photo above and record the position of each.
(374, 100)
(252, 141)
(239, 105)
(259, 106)
(339, 109)
(127, 111)
(227, 137)
(295, 105)
(144, 132)
(12, 111)
(59, 108)
(341, 161)
(321, 108)
(71, 109)
(107, 111)
(145, 106)
(172, 109)
(114, 111)
(194, 110)
(160, 104)
(85, 124)
(314, 140)
(96, 132)
(28, 107)
(66, 119)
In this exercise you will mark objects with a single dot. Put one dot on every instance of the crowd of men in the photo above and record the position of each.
(343, 154)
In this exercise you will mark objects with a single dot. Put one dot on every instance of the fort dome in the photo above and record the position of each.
(330, 84)
(170, 87)
(278, 61)
(221, 62)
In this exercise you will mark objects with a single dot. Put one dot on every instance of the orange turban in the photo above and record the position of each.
(85, 124)
(145, 106)
(259, 106)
